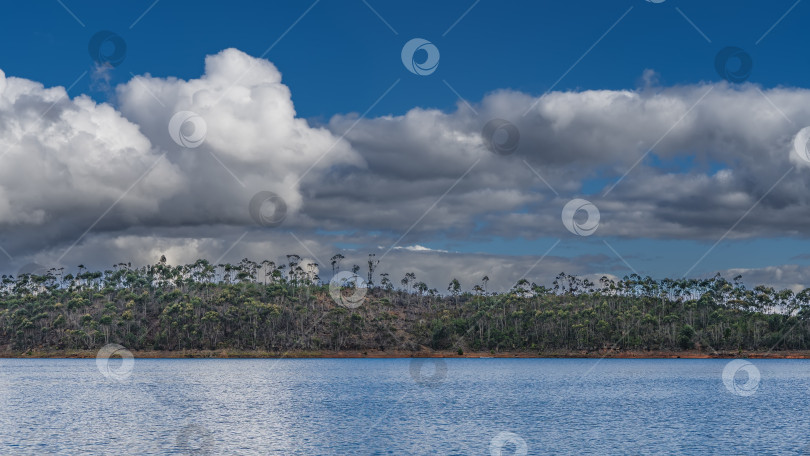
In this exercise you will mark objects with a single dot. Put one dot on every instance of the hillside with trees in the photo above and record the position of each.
(286, 307)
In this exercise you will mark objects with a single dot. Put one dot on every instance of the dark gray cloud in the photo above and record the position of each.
(687, 162)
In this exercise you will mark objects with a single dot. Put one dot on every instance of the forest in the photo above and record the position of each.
(287, 307)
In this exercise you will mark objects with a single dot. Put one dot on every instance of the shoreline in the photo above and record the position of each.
(395, 354)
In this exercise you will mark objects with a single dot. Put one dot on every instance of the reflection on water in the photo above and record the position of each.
(402, 406)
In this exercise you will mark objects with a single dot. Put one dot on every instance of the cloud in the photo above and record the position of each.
(65, 161)
(253, 141)
(71, 164)
(685, 162)
(419, 248)
(780, 277)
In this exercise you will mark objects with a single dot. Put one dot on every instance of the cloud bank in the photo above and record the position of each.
(97, 183)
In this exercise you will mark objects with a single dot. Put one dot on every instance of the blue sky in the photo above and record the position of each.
(338, 57)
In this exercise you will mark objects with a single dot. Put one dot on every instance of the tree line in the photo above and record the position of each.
(286, 306)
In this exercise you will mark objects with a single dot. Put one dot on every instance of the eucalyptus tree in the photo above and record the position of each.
(335, 261)
(454, 287)
(385, 282)
(372, 264)
(292, 262)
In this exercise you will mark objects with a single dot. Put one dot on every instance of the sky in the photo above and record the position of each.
(452, 139)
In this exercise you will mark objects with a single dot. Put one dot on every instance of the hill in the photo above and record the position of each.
(280, 308)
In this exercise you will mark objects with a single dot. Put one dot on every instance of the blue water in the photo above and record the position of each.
(398, 407)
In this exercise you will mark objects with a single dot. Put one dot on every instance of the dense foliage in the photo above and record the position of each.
(271, 307)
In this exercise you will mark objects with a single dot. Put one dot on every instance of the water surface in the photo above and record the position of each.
(399, 406)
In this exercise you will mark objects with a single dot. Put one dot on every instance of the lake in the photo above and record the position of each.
(404, 406)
